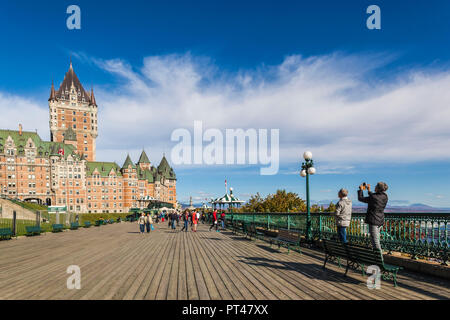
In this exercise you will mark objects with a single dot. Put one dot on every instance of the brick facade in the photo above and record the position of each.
(63, 172)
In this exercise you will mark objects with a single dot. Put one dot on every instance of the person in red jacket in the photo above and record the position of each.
(194, 221)
(214, 221)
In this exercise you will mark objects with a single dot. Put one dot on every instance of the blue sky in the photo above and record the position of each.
(371, 104)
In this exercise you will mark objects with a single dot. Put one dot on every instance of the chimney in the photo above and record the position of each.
(20, 129)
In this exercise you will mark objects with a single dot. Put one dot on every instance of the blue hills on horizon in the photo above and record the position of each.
(412, 208)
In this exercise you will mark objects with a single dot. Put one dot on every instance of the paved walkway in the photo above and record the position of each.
(119, 263)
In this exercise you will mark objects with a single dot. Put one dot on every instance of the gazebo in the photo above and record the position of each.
(227, 199)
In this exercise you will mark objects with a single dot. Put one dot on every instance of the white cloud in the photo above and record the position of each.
(321, 103)
(324, 103)
(17, 110)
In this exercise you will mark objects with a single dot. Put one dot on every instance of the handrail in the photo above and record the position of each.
(418, 234)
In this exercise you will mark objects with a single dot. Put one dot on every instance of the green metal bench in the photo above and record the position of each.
(33, 230)
(238, 227)
(74, 226)
(360, 257)
(5, 233)
(287, 238)
(57, 228)
(87, 224)
(334, 251)
(253, 231)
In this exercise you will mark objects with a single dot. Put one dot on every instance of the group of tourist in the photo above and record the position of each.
(376, 202)
(189, 218)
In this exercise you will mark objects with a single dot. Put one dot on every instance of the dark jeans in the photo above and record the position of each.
(214, 225)
(147, 226)
(342, 232)
(142, 227)
(173, 224)
(186, 226)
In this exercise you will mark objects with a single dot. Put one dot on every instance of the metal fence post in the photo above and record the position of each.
(320, 227)
(14, 224)
(38, 218)
(289, 222)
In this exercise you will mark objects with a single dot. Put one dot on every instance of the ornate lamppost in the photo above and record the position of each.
(307, 170)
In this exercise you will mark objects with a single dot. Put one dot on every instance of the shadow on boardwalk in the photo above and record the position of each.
(116, 262)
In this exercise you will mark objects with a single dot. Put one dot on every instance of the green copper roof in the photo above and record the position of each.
(128, 162)
(104, 168)
(143, 158)
(165, 170)
(44, 148)
(145, 175)
(70, 135)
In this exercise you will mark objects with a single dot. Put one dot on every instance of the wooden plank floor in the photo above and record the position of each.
(117, 262)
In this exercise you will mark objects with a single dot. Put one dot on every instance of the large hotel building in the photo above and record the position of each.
(63, 172)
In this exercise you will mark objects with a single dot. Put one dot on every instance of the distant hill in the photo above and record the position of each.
(415, 207)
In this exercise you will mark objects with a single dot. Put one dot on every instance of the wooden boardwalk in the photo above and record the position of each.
(117, 262)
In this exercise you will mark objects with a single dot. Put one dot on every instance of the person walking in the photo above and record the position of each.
(343, 214)
(214, 221)
(190, 217)
(185, 220)
(376, 203)
(174, 219)
(147, 222)
(194, 221)
(141, 222)
(222, 219)
(169, 219)
(203, 217)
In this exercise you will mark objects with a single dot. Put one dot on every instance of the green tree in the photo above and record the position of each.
(331, 207)
(281, 201)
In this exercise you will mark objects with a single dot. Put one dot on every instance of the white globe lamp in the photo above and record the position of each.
(307, 155)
